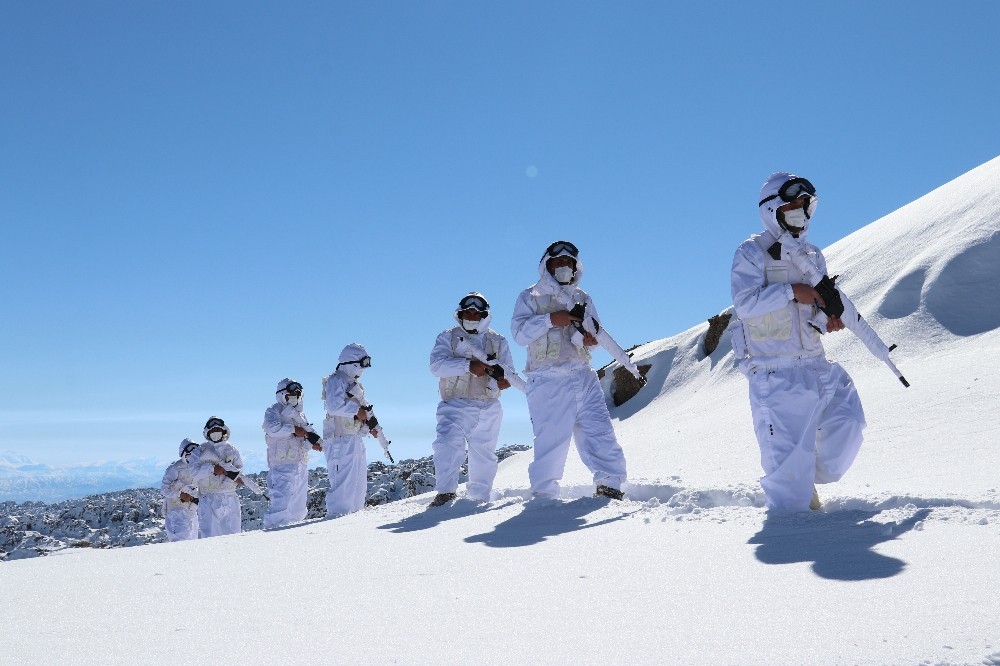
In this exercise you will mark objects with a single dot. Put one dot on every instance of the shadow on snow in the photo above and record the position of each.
(434, 516)
(541, 519)
(839, 544)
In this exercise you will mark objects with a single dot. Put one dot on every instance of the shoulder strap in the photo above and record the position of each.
(768, 243)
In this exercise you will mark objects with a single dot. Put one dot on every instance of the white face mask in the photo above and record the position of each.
(796, 220)
(216, 435)
(292, 400)
(563, 274)
(470, 326)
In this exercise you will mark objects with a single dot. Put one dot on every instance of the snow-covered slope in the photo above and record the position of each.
(901, 568)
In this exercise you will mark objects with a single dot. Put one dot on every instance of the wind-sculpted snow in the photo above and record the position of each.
(135, 517)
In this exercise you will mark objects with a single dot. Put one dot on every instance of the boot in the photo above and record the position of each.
(443, 498)
(608, 491)
(814, 503)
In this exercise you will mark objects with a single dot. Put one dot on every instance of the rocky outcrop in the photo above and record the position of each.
(716, 327)
(624, 386)
(135, 517)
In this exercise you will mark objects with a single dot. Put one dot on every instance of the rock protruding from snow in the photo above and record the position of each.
(135, 517)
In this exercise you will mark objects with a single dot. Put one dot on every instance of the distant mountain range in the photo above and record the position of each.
(23, 479)
(134, 517)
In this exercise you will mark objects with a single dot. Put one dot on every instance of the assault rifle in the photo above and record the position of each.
(837, 304)
(379, 431)
(238, 476)
(494, 370)
(589, 324)
(371, 422)
(311, 435)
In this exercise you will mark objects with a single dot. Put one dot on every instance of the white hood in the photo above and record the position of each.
(350, 353)
(184, 444)
(769, 209)
(547, 285)
(484, 323)
(279, 393)
(225, 430)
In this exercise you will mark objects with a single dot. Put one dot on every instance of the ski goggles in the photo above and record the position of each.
(562, 247)
(215, 422)
(474, 302)
(189, 448)
(365, 362)
(293, 387)
(791, 190)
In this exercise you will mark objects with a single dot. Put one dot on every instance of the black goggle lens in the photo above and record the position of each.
(795, 188)
(215, 423)
(559, 247)
(294, 387)
(474, 302)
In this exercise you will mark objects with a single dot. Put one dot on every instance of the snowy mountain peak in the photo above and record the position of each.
(14, 459)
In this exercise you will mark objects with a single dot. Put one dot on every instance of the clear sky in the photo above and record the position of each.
(200, 198)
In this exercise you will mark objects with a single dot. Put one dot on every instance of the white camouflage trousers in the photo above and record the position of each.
(566, 404)
(181, 521)
(473, 422)
(348, 472)
(219, 514)
(809, 421)
(288, 486)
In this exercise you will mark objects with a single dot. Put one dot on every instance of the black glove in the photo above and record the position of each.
(828, 290)
(312, 437)
(579, 311)
(495, 372)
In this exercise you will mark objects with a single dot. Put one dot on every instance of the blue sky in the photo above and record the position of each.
(200, 198)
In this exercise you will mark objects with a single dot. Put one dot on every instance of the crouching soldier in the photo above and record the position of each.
(180, 497)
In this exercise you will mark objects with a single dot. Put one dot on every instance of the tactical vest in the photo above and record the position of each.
(344, 425)
(780, 325)
(208, 453)
(546, 349)
(468, 385)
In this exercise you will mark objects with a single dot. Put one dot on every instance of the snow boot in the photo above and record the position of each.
(443, 498)
(608, 491)
(814, 503)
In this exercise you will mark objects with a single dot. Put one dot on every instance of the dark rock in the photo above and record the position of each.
(716, 327)
(625, 385)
